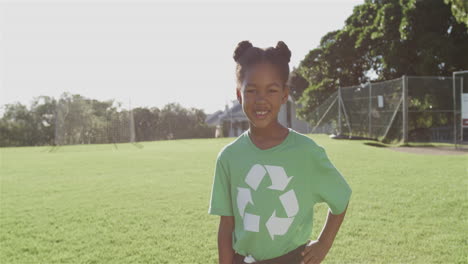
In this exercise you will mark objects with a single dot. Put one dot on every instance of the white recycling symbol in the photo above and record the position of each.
(275, 225)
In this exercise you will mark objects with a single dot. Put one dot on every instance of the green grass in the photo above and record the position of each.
(96, 204)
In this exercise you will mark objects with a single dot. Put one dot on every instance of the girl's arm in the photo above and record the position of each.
(225, 250)
(332, 225)
(316, 250)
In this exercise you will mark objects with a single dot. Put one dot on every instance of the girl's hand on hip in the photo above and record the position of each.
(314, 252)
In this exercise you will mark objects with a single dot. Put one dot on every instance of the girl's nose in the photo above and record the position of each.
(260, 96)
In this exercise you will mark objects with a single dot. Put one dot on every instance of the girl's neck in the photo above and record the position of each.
(273, 131)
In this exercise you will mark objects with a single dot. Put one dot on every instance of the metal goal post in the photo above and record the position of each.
(460, 101)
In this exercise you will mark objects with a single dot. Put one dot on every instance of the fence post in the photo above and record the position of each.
(405, 108)
(370, 108)
(454, 83)
(461, 119)
(339, 111)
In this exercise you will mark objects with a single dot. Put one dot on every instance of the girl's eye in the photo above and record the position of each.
(273, 91)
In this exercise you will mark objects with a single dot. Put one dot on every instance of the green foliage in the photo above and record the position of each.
(297, 84)
(459, 10)
(21, 126)
(177, 122)
(91, 121)
(388, 38)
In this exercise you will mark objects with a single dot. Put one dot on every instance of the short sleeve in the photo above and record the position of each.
(331, 186)
(220, 202)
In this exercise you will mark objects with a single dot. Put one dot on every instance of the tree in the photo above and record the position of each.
(146, 123)
(459, 10)
(43, 116)
(74, 119)
(390, 38)
(297, 84)
(17, 126)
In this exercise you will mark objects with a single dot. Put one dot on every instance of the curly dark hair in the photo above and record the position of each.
(247, 55)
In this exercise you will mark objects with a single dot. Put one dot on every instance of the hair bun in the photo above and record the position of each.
(283, 51)
(241, 48)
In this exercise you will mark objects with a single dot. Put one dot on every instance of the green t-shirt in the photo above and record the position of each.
(271, 193)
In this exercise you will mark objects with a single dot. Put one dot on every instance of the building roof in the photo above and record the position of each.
(235, 113)
(213, 119)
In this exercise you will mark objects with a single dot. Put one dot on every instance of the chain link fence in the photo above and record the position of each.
(407, 109)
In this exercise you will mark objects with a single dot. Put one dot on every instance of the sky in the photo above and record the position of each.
(149, 53)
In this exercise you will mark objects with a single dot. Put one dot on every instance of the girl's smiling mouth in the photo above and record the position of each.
(261, 114)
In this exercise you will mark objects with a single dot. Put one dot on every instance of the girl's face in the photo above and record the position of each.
(261, 94)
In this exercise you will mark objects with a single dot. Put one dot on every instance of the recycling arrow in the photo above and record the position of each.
(243, 198)
(255, 176)
(278, 176)
(279, 181)
(251, 222)
(290, 204)
(278, 225)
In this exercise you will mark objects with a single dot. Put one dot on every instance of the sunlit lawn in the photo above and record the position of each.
(98, 204)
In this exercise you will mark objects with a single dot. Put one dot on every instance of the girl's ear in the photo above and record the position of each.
(286, 94)
(239, 97)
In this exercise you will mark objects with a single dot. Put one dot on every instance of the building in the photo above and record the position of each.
(232, 121)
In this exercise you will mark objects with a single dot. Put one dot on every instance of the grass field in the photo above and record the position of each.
(98, 204)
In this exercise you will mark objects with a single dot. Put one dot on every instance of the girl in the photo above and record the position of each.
(268, 179)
